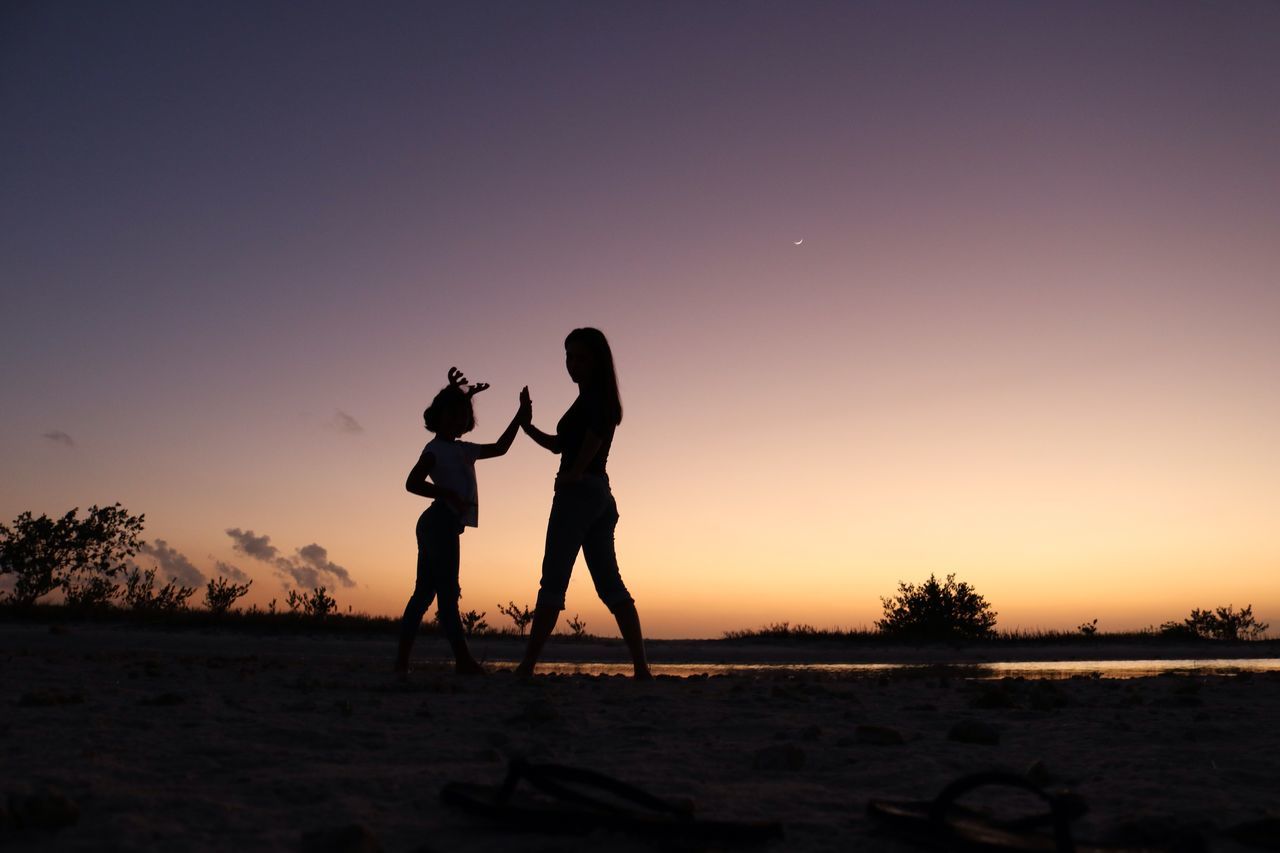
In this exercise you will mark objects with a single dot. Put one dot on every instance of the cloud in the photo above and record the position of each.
(310, 567)
(345, 424)
(230, 572)
(57, 436)
(174, 564)
(258, 547)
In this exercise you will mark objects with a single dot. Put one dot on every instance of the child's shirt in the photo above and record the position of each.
(455, 469)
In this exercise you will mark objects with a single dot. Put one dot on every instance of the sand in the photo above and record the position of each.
(126, 738)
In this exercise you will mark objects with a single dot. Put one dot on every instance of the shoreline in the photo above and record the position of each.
(564, 650)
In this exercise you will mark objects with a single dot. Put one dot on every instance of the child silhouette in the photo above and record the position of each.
(445, 472)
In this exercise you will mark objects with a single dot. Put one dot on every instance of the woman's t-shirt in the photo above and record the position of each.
(590, 412)
(455, 469)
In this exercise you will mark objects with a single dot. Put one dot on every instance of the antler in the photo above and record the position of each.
(459, 381)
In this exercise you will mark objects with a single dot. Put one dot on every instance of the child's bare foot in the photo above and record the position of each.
(642, 673)
(468, 667)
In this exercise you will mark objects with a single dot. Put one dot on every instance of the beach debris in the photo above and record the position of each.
(45, 809)
(353, 838)
(878, 735)
(50, 697)
(783, 756)
(974, 731)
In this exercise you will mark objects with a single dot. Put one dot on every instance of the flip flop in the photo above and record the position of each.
(576, 801)
(943, 820)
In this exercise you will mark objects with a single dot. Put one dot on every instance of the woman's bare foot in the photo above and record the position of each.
(468, 667)
(642, 673)
(524, 670)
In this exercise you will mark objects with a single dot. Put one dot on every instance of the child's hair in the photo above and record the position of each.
(451, 398)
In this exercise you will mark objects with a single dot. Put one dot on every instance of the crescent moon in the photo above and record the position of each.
(797, 242)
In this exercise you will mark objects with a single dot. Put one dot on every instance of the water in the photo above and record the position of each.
(1012, 669)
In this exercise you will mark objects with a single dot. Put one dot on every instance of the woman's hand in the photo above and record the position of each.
(525, 413)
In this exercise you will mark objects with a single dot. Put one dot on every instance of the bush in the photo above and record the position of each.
(140, 593)
(577, 627)
(318, 604)
(1224, 623)
(473, 622)
(522, 618)
(937, 611)
(80, 556)
(220, 594)
(92, 593)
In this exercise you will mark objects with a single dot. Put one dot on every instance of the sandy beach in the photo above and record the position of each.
(118, 738)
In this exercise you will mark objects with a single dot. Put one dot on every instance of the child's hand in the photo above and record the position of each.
(525, 413)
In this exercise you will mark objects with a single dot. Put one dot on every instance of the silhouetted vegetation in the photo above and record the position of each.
(473, 623)
(577, 628)
(1224, 623)
(80, 556)
(1089, 629)
(221, 594)
(521, 617)
(140, 592)
(937, 611)
(317, 603)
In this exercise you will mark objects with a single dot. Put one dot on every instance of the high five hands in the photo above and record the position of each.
(525, 413)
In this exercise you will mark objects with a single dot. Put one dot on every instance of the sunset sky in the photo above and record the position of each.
(1031, 335)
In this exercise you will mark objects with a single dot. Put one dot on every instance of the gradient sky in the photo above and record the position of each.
(1030, 336)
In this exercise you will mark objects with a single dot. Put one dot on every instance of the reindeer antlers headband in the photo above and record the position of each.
(457, 380)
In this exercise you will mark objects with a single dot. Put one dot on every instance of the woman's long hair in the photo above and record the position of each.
(604, 377)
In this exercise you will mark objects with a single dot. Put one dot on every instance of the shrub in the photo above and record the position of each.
(577, 628)
(92, 593)
(1088, 628)
(473, 622)
(80, 556)
(1224, 623)
(937, 611)
(522, 618)
(318, 603)
(220, 594)
(140, 592)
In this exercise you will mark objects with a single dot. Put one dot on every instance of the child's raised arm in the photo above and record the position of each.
(503, 444)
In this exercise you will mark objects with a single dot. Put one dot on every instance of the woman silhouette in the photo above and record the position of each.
(583, 512)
